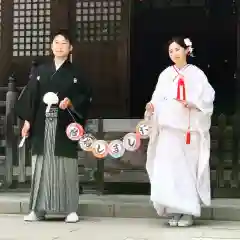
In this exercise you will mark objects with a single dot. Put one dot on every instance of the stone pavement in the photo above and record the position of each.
(14, 228)
(123, 206)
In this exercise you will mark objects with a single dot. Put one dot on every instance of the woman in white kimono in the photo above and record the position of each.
(178, 153)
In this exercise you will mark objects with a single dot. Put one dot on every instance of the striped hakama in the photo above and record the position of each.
(55, 186)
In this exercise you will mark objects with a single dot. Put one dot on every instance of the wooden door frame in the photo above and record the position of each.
(123, 49)
(124, 53)
(238, 60)
(62, 17)
(6, 40)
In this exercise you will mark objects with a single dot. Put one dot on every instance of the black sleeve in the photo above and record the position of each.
(26, 104)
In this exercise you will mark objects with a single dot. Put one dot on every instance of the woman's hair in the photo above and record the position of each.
(184, 43)
(64, 33)
(179, 41)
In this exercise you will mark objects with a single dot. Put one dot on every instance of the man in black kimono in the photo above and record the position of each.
(55, 187)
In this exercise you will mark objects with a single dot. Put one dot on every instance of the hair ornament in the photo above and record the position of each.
(188, 43)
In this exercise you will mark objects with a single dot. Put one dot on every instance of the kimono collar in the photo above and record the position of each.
(65, 64)
(180, 70)
(58, 63)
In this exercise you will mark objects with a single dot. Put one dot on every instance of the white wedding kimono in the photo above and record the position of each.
(179, 173)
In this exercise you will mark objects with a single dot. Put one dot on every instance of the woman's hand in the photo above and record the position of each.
(149, 108)
(25, 129)
(65, 103)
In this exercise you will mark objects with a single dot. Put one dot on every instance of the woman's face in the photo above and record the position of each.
(61, 47)
(177, 53)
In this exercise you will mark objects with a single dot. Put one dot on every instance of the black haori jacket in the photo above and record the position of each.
(68, 82)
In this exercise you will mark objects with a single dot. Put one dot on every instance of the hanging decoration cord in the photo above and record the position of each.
(69, 111)
(75, 121)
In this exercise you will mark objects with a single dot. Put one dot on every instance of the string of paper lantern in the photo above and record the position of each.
(100, 148)
(115, 148)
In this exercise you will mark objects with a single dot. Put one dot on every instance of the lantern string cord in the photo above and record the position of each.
(121, 139)
(71, 115)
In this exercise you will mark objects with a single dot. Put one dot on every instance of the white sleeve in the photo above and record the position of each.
(206, 99)
(157, 96)
(202, 95)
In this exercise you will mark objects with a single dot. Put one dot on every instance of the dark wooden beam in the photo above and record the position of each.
(60, 15)
(124, 55)
(238, 59)
(6, 49)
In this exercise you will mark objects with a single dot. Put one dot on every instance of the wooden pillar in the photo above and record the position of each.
(11, 139)
(124, 56)
(6, 45)
(237, 76)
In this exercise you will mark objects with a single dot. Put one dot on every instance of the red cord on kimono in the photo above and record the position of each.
(181, 96)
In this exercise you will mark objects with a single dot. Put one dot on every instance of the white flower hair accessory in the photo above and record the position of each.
(188, 43)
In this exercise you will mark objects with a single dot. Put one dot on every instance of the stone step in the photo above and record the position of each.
(122, 206)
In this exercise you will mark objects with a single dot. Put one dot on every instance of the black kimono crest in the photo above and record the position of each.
(68, 82)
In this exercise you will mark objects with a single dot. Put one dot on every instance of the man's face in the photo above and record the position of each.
(61, 47)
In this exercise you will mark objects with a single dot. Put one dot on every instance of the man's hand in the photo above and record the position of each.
(65, 103)
(25, 129)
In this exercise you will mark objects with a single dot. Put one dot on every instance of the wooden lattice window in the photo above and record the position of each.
(31, 28)
(98, 20)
